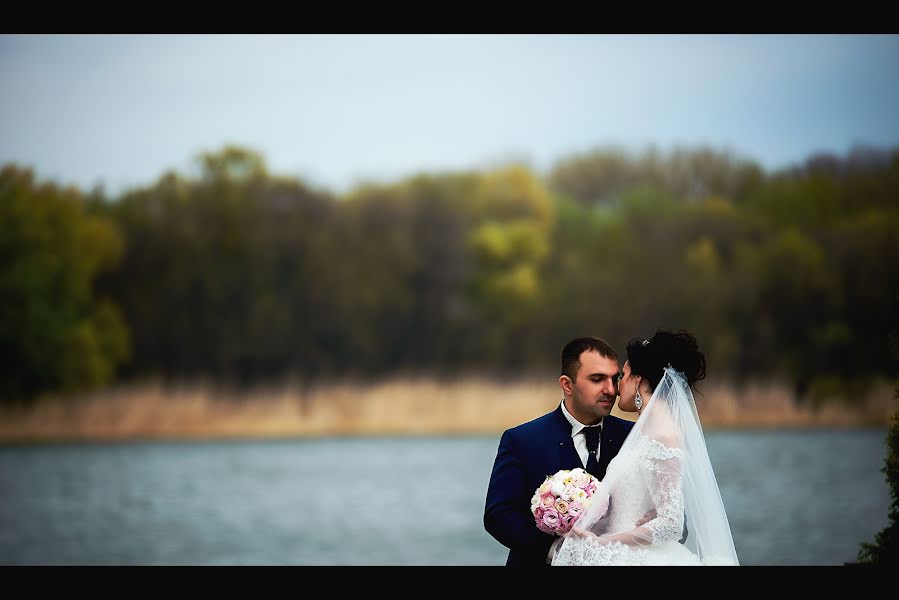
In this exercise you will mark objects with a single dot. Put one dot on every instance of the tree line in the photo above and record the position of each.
(241, 275)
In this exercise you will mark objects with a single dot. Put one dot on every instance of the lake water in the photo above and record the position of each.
(806, 497)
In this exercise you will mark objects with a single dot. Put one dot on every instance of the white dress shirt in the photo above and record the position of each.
(580, 440)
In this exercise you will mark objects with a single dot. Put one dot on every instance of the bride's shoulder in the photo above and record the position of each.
(669, 439)
(663, 443)
(663, 431)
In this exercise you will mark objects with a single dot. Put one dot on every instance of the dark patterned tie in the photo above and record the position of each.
(593, 435)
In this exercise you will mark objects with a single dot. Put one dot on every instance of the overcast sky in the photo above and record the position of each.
(333, 109)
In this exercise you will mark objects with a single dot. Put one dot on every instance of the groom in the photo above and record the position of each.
(558, 440)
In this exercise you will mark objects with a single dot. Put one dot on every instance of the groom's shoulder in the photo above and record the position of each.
(534, 425)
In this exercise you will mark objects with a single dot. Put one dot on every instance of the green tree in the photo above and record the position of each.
(217, 271)
(509, 240)
(885, 549)
(55, 332)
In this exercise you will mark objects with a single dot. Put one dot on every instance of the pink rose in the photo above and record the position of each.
(547, 501)
(538, 518)
(575, 509)
(543, 528)
(566, 523)
(551, 519)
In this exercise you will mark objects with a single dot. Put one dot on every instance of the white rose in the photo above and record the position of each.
(557, 488)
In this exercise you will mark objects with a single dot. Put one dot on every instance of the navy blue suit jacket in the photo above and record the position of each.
(526, 455)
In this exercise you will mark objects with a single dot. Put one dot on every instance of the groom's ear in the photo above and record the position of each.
(566, 384)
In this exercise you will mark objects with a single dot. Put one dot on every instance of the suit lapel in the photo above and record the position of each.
(606, 447)
(568, 456)
(612, 439)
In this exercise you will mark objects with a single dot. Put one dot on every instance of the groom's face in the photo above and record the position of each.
(593, 390)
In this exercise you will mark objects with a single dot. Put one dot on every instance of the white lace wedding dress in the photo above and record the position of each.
(664, 466)
(650, 479)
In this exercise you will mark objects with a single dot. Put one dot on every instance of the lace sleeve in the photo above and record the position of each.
(662, 469)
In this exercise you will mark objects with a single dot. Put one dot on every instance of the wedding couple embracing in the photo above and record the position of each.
(656, 501)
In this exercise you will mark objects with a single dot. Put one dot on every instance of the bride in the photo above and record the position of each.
(662, 469)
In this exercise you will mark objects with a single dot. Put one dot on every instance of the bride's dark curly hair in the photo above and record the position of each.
(680, 350)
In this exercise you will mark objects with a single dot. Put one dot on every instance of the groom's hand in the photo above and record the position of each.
(646, 518)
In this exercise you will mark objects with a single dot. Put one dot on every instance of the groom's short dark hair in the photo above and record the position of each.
(571, 353)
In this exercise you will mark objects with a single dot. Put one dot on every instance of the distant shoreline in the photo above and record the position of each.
(249, 437)
(395, 407)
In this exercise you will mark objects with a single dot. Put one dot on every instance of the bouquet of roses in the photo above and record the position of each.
(561, 499)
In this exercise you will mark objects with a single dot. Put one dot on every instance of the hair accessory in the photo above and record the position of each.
(681, 373)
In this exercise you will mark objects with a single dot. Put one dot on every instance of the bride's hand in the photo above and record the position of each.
(582, 533)
(646, 518)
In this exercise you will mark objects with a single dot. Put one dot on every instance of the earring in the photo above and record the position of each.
(638, 400)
